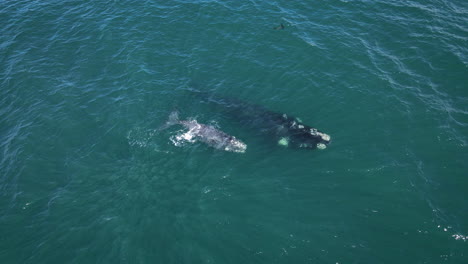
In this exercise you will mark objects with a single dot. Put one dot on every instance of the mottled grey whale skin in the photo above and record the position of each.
(207, 134)
(285, 130)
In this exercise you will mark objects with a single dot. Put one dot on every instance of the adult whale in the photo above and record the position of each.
(285, 130)
(207, 134)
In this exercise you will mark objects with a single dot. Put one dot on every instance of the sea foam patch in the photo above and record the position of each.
(183, 138)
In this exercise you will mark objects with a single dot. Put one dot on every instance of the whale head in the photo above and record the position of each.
(302, 136)
(235, 145)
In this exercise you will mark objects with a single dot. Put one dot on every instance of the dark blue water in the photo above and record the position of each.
(87, 177)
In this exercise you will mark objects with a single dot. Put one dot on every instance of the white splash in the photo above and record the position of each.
(460, 237)
(140, 137)
(183, 138)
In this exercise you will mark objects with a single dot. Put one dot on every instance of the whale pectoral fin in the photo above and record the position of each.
(283, 142)
(321, 146)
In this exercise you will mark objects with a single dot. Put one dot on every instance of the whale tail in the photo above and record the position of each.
(173, 120)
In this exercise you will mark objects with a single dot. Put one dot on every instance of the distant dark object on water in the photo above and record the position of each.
(280, 27)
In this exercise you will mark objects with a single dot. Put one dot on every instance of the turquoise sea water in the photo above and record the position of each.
(86, 177)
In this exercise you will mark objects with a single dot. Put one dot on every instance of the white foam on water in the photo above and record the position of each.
(140, 137)
(460, 237)
(144, 138)
(183, 138)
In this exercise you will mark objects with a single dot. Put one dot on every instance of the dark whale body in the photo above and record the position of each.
(285, 130)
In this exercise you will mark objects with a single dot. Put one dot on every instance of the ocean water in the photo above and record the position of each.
(87, 177)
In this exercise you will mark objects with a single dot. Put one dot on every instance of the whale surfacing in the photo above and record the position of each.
(284, 130)
(207, 134)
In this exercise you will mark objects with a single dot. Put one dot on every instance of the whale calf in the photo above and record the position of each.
(207, 134)
(285, 130)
